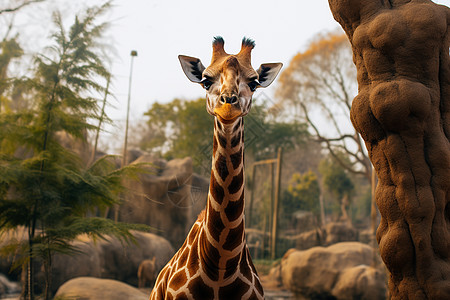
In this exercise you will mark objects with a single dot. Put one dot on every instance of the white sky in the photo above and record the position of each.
(160, 30)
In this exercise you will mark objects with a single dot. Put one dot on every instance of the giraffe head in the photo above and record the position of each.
(229, 80)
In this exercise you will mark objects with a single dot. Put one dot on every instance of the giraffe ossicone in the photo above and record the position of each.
(214, 261)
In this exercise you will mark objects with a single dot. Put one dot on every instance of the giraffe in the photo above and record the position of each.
(214, 261)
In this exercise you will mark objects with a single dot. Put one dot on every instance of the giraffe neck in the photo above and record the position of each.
(224, 222)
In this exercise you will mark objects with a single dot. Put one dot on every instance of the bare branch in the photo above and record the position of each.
(13, 9)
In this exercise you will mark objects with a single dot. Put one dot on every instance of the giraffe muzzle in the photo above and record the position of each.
(227, 112)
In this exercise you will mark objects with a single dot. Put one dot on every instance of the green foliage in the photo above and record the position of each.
(9, 50)
(264, 134)
(302, 194)
(336, 178)
(338, 183)
(180, 128)
(44, 186)
(184, 128)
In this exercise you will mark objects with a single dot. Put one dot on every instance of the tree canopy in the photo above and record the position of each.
(183, 128)
(303, 193)
(318, 86)
(44, 186)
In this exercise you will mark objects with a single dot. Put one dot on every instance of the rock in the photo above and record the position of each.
(360, 282)
(165, 198)
(8, 287)
(337, 232)
(366, 236)
(308, 239)
(66, 267)
(121, 262)
(110, 259)
(303, 221)
(90, 288)
(320, 273)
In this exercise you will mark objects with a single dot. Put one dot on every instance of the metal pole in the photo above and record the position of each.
(97, 135)
(125, 145)
(252, 196)
(373, 215)
(276, 205)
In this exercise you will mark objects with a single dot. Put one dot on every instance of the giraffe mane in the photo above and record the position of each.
(218, 40)
(248, 42)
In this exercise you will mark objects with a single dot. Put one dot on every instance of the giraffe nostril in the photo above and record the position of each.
(231, 100)
(228, 99)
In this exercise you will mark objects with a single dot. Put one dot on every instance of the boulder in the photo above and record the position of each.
(110, 259)
(121, 262)
(8, 287)
(337, 232)
(321, 273)
(360, 282)
(87, 263)
(308, 239)
(90, 288)
(303, 221)
(168, 197)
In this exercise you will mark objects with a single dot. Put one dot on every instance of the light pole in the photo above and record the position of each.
(125, 144)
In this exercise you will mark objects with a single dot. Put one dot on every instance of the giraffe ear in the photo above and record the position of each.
(192, 67)
(267, 73)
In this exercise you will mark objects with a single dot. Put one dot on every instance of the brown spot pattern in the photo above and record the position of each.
(178, 279)
(231, 266)
(236, 140)
(222, 140)
(216, 190)
(210, 258)
(235, 237)
(182, 296)
(215, 224)
(236, 183)
(236, 159)
(193, 234)
(183, 258)
(234, 290)
(200, 290)
(221, 167)
(258, 285)
(235, 209)
(214, 146)
(253, 296)
(244, 268)
(193, 263)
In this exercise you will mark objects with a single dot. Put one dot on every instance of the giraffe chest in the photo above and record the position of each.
(190, 276)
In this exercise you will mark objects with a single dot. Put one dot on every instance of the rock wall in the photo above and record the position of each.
(168, 198)
(109, 259)
(402, 111)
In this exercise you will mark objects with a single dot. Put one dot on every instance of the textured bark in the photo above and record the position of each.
(402, 111)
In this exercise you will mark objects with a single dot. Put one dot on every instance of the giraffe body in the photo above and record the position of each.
(214, 261)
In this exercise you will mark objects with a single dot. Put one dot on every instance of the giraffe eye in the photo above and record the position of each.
(253, 85)
(206, 83)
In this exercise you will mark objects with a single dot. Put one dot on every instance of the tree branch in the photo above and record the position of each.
(13, 9)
